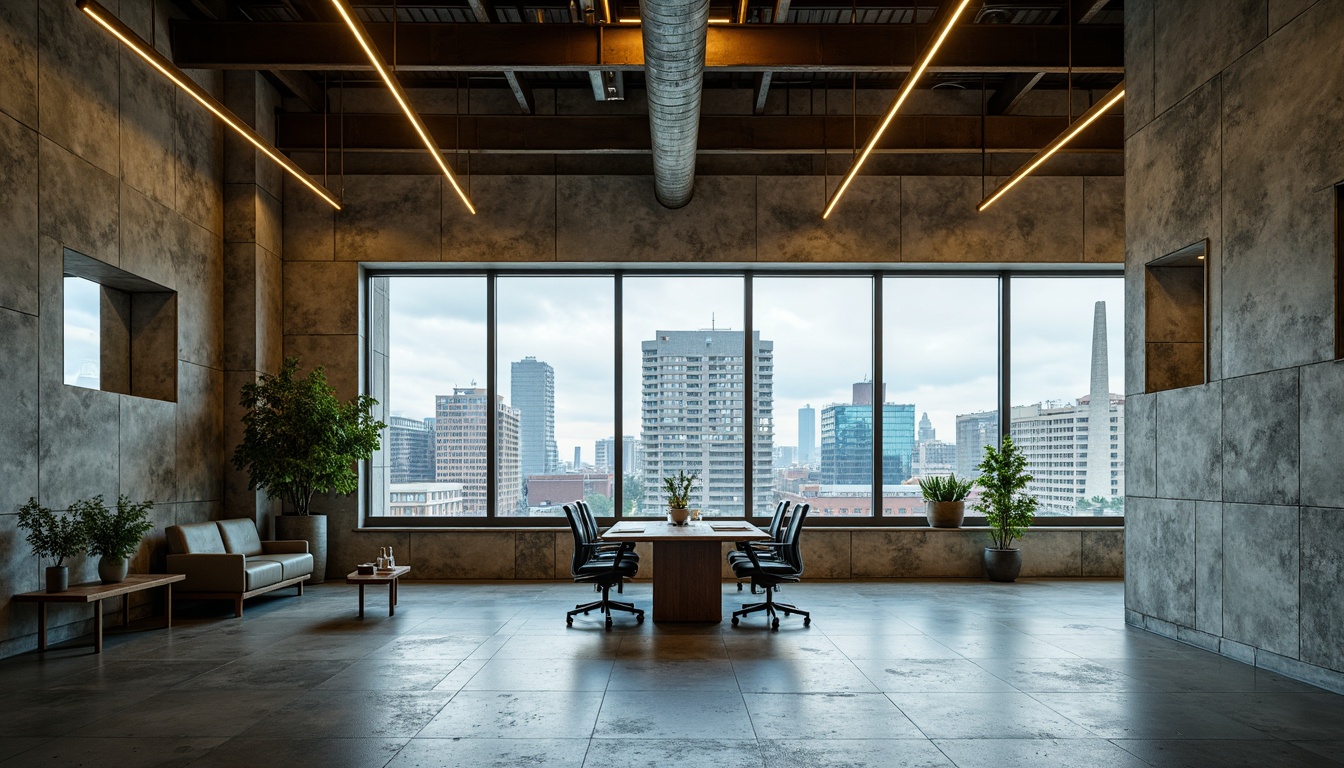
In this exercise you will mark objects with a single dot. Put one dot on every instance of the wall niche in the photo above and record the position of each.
(1176, 318)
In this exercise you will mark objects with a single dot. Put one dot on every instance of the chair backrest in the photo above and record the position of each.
(581, 540)
(792, 551)
(589, 521)
(781, 509)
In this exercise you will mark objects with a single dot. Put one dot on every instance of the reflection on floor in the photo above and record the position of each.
(1039, 673)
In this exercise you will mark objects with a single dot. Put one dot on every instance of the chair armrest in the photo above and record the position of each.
(299, 547)
(210, 572)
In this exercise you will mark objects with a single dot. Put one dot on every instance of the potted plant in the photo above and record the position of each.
(52, 535)
(945, 500)
(113, 536)
(299, 441)
(1007, 507)
(678, 488)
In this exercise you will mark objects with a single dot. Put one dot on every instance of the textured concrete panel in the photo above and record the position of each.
(1322, 599)
(1041, 220)
(77, 85)
(240, 306)
(346, 549)
(1172, 365)
(198, 148)
(78, 444)
(515, 220)
(865, 226)
(1047, 553)
(1160, 559)
(1322, 432)
(148, 449)
(1277, 295)
(1260, 438)
(1104, 219)
(1189, 443)
(1209, 567)
(1260, 576)
(825, 554)
(918, 552)
(18, 60)
(19, 417)
(1196, 39)
(1283, 11)
(1104, 553)
(200, 279)
(77, 203)
(719, 224)
(18, 214)
(200, 433)
(1139, 86)
(309, 225)
(338, 356)
(149, 239)
(389, 218)
(146, 135)
(1141, 445)
(321, 297)
(1135, 361)
(458, 555)
(534, 554)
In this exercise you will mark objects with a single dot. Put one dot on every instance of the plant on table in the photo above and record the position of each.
(111, 536)
(52, 536)
(1008, 509)
(679, 488)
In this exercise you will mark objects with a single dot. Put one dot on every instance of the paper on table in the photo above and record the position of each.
(729, 526)
(639, 529)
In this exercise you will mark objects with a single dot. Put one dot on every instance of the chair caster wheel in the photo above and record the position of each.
(774, 624)
(739, 586)
(569, 621)
(608, 623)
(585, 613)
(734, 621)
(807, 621)
(639, 619)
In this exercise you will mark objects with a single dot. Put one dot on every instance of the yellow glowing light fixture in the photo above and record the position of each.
(361, 35)
(909, 85)
(179, 78)
(1087, 118)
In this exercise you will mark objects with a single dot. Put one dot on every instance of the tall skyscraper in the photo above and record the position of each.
(847, 440)
(604, 454)
(926, 431)
(532, 392)
(410, 449)
(1099, 412)
(693, 418)
(807, 434)
(460, 450)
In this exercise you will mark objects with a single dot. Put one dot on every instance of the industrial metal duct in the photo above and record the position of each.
(674, 65)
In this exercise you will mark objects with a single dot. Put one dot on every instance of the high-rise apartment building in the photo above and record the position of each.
(460, 450)
(807, 434)
(847, 440)
(693, 417)
(532, 393)
(410, 450)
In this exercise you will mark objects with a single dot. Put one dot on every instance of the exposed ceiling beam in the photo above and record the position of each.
(1085, 10)
(484, 11)
(731, 48)
(302, 86)
(1014, 87)
(760, 89)
(617, 134)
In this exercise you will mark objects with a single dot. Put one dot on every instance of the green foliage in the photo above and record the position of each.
(950, 488)
(602, 506)
(679, 487)
(51, 534)
(1007, 507)
(113, 534)
(633, 488)
(299, 440)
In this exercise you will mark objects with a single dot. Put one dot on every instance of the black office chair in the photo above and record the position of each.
(769, 574)
(603, 550)
(589, 568)
(776, 522)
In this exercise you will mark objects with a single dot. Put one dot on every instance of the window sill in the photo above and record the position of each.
(852, 529)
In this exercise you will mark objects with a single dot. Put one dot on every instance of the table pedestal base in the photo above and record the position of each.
(687, 586)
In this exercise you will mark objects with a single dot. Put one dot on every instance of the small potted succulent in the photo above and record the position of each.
(678, 488)
(945, 500)
(1007, 507)
(113, 537)
(52, 535)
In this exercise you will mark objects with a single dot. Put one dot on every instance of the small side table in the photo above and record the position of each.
(388, 577)
(96, 592)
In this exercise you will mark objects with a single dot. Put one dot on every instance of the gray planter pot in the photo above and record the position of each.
(945, 514)
(58, 578)
(309, 528)
(1003, 564)
(113, 570)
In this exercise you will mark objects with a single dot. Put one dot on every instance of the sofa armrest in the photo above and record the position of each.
(210, 572)
(299, 547)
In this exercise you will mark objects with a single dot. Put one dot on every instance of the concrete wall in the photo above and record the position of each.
(1235, 503)
(103, 156)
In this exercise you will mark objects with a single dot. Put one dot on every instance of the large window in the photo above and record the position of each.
(509, 393)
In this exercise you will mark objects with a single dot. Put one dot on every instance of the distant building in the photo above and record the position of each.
(974, 432)
(532, 393)
(898, 500)
(847, 440)
(926, 430)
(604, 455)
(807, 435)
(410, 450)
(425, 500)
(934, 458)
(548, 492)
(785, 456)
(460, 449)
(1058, 441)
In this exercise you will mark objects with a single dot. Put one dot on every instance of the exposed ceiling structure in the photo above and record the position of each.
(572, 81)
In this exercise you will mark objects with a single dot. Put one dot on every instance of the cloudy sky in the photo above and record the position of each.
(81, 326)
(939, 340)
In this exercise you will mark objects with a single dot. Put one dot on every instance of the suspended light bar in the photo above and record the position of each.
(362, 35)
(1087, 118)
(909, 85)
(179, 78)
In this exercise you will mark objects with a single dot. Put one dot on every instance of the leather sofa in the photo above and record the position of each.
(226, 560)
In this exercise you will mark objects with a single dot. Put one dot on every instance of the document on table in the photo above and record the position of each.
(637, 529)
(730, 526)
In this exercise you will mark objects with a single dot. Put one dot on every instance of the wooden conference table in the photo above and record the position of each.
(687, 580)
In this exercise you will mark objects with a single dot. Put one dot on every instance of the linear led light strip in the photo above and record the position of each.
(169, 70)
(1087, 118)
(357, 28)
(910, 81)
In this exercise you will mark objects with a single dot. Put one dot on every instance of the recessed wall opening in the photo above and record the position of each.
(1175, 320)
(120, 330)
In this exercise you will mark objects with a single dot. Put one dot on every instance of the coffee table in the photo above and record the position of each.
(96, 592)
(388, 577)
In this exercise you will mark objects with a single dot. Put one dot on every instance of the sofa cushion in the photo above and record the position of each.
(262, 573)
(293, 565)
(195, 539)
(240, 536)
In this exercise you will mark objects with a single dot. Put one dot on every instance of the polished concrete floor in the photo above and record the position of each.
(1039, 673)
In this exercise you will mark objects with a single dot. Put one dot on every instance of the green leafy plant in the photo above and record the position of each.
(299, 440)
(950, 488)
(679, 487)
(51, 535)
(113, 534)
(1007, 507)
